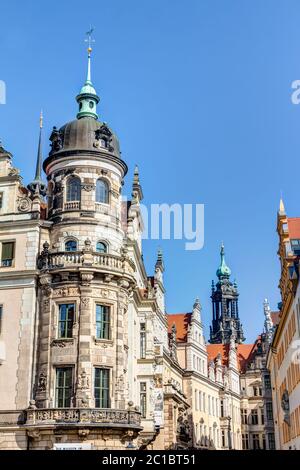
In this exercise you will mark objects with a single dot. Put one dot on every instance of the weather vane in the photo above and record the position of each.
(89, 39)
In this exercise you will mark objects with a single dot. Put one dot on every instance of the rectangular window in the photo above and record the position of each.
(262, 416)
(101, 388)
(269, 409)
(1, 200)
(267, 382)
(244, 416)
(66, 320)
(102, 321)
(245, 441)
(271, 440)
(222, 409)
(1, 318)
(254, 417)
(7, 255)
(143, 341)
(64, 387)
(255, 441)
(223, 438)
(143, 399)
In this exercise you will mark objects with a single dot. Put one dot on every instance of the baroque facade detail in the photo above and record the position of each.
(94, 354)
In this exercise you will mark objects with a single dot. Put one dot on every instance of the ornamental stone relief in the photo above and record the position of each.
(42, 382)
(66, 292)
(105, 293)
(85, 301)
(24, 204)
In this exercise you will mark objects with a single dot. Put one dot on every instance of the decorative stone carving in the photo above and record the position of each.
(86, 278)
(56, 140)
(83, 433)
(285, 405)
(83, 380)
(24, 204)
(45, 281)
(14, 172)
(88, 187)
(103, 138)
(85, 301)
(42, 382)
(43, 259)
(61, 343)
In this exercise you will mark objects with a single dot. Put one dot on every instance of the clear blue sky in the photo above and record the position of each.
(199, 93)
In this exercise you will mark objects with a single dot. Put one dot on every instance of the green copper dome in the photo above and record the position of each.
(223, 270)
(88, 98)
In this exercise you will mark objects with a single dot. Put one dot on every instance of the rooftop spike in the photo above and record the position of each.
(136, 186)
(223, 270)
(88, 98)
(37, 185)
(281, 206)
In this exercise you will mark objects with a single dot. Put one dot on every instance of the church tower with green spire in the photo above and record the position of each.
(226, 324)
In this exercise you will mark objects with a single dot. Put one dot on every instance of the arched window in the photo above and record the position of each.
(73, 189)
(71, 245)
(101, 247)
(102, 191)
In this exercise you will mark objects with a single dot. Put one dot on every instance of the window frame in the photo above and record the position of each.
(107, 323)
(102, 242)
(143, 399)
(106, 199)
(70, 388)
(108, 398)
(13, 243)
(70, 240)
(68, 329)
(68, 197)
(143, 340)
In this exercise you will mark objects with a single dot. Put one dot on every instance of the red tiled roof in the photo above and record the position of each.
(244, 353)
(181, 320)
(294, 227)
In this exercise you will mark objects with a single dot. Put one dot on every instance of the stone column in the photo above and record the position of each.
(42, 394)
(83, 393)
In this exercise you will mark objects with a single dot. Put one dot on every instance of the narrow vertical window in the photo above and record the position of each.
(64, 387)
(7, 255)
(143, 399)
(143, 341)
(1, 200)
(102, 321)
(102, 193)
(66, 320)
(73, 189)
(101, 388)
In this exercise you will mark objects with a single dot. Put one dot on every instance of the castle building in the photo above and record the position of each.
(89, 358)
(283, 357)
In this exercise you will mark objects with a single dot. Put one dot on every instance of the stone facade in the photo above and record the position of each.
(283, 356)
(88, 353)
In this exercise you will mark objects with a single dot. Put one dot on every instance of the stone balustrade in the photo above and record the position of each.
(83, 416)
(66, 259)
